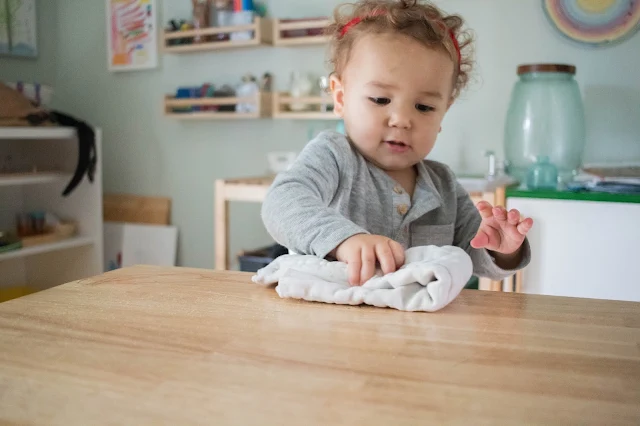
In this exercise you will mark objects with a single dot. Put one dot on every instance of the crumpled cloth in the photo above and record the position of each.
(431, 278)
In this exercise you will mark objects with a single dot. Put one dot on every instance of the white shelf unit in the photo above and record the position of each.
(33, 133)
(53, 153)
(48, 248)
(34, 178)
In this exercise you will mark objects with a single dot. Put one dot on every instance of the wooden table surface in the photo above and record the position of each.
(150, 345)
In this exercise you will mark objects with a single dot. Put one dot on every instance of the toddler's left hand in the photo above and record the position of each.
(500, 231)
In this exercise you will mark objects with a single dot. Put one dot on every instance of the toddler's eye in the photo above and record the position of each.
(424, 108)
(380, 101)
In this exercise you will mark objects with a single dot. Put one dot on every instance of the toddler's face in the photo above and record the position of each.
(392, 95)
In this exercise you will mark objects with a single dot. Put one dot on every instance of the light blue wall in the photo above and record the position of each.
(510, 33)
(145, 153)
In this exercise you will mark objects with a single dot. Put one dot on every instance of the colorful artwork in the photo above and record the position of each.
(594, 22)
(18, 28)
(132, 38)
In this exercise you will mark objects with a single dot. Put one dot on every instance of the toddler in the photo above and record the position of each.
(366, 197)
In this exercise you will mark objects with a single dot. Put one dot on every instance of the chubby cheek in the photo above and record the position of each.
(425, 140)
(362, 121)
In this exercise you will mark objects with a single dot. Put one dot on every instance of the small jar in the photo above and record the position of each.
(38, 222)
(24, 224)
(300, 86)
(545, 118)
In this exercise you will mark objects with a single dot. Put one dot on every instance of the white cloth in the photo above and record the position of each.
(429, 280)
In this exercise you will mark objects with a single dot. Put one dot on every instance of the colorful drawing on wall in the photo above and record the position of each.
(594, 22)
(132, 34)
(18, 28)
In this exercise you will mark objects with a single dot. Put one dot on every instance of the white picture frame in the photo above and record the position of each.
(18, 28)
(132, 34)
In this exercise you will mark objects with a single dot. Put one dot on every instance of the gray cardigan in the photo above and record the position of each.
(332, 192)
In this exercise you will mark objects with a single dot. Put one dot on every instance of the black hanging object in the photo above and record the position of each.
(87, 154)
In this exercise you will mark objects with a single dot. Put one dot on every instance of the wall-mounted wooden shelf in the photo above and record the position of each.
(314, 107)
(206, 36)
(261, 103)
(275, 32)
(294, 32)
(269, 105)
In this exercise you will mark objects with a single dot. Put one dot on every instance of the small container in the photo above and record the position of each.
(38, 222)
(542, 175)
(300, 86)
(252, 261)
(24, 224)
(226, 18)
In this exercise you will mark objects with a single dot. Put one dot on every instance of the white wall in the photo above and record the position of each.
(145, 153)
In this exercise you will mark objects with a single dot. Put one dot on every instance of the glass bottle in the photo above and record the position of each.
(545, 118)
(543, 174)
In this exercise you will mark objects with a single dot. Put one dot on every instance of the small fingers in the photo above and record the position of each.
(480, 240)
(485, 209)
(513, 217)
(368, 264)
(385, 257)
(398, 253)
(500, 214)
(525, 226)
(354, 264)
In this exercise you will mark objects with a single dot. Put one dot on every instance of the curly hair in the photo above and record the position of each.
(421, 21)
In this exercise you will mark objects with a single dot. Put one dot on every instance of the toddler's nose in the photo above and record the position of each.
(400, 118)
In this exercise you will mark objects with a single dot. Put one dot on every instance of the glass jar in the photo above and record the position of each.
(542, 175)
(545, 118)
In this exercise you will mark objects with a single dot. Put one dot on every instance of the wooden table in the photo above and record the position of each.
(150, 345)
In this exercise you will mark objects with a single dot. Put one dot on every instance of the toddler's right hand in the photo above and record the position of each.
(361, 251)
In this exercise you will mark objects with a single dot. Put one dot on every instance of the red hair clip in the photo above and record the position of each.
(456, 45)
(355, 21)
(348, 25)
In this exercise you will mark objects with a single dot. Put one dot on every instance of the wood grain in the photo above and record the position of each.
(136, 209)
(149, 345)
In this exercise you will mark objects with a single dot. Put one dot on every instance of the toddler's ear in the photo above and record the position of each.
(337, 92)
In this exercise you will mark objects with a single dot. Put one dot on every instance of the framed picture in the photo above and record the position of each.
(18, 28)
(131, 34)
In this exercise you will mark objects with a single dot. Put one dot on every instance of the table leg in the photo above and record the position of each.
(484, 284)
(519, 281)
(221, 227)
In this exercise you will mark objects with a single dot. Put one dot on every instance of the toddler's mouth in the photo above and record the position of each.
(397, 146)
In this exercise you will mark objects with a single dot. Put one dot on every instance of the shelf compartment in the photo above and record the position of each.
(260, 101)
(66, 244)
(281, 102)
(294, 32)
(256, 39)
(19, 179)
